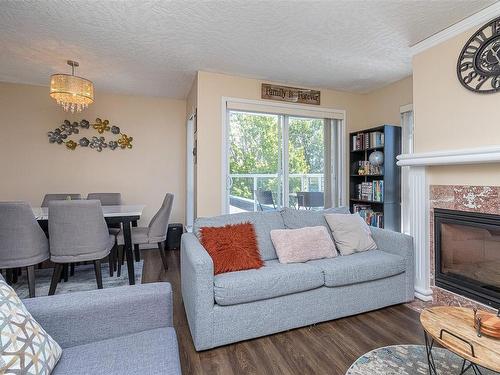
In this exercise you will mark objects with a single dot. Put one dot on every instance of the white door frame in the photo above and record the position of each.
(407, 141)
(190, 124)
(225, 180)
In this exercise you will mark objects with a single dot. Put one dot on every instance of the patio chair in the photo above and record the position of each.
(310, 199)
(265, 197)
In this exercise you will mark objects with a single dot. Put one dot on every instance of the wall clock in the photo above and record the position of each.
(478, 66)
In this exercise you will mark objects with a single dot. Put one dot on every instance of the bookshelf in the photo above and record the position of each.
(375, 191)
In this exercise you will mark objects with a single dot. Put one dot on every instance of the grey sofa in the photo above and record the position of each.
(237, 306)
(123, 330)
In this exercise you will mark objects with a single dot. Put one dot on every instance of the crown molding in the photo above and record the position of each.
(477, 19)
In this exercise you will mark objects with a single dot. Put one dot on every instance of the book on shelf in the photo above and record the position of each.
(370, 191)
(363, 141)
(365, 168)
(371, 217)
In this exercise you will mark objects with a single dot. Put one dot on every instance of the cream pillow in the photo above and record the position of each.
(351, 233)
(303, 244)
(26, 347)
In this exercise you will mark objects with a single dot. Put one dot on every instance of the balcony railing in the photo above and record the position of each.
(308, 182)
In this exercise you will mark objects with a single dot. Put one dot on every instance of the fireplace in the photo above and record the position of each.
(467, 254)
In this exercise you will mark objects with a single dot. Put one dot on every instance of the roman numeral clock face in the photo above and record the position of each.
(478, 66)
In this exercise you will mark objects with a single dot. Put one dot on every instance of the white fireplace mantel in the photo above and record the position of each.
(419, 201)
(480, 155)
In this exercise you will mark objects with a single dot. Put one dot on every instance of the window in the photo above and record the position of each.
(277, 160)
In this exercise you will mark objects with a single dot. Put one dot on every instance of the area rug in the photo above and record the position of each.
(83, 279)
(407, 360)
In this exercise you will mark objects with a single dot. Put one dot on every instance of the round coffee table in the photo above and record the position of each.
(453, 329)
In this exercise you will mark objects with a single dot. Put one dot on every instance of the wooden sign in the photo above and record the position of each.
(290, 94)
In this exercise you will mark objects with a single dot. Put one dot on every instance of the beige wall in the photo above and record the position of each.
(447, 116)
(212, 87)
(383, 105)
(31, 167)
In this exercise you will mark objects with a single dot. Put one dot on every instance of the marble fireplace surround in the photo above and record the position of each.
(424, 198)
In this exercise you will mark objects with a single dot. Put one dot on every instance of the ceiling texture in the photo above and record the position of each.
(154, 48)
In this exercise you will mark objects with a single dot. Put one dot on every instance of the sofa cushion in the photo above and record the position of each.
(147, 352)
(272, 280)
(263, 223)
(295, 219)
(359, 267)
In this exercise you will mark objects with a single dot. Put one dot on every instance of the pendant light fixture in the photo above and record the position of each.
(73, 93)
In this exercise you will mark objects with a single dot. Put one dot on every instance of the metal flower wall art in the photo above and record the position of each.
(62, 135)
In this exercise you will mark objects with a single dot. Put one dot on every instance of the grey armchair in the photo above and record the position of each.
(107, 199)
(114, 331)
(59, 197)
(78, 233)
(22, 242)
(154, 233)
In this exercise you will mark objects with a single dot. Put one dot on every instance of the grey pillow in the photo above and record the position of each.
(351, 233)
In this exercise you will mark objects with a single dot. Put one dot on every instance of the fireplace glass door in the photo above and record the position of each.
(468, 254)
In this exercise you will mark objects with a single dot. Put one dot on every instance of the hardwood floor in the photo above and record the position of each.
(324, 348)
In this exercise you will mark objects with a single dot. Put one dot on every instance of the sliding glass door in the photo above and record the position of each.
(277, 161)
(255, 161)
(306, 162)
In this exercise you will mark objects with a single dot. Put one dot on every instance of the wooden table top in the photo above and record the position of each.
(460, 321)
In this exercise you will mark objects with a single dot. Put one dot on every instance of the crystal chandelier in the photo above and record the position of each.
(71, 92)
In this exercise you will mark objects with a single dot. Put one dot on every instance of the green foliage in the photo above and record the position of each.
(255, 148)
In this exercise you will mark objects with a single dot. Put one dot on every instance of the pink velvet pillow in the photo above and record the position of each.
(301, 245)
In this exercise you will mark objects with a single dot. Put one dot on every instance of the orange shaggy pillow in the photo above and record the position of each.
(232, 247)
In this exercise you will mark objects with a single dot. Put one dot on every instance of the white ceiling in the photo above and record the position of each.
(155, 47)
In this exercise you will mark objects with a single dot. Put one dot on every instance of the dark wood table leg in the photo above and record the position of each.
(127, 237)
(137, 253)
(31, 280)
(8, 277)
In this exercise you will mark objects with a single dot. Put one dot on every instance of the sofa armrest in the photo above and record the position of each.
(398, 244)
(84, 317)
(393, 242)
(197, 283)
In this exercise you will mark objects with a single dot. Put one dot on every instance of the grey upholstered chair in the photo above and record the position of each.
(59, 197)
(154, 233)
(107, 199)
(22, 242)
(78, 233)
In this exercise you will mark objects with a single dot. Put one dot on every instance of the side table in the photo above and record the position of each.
(453, 329)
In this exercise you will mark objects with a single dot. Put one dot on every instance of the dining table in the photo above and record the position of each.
(125, 215)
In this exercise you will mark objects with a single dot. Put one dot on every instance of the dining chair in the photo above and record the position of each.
(107, 199)
(265, 197)
(22, 242)
(78, 233)
(59, 197)
(154, 233)
(310, 199)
